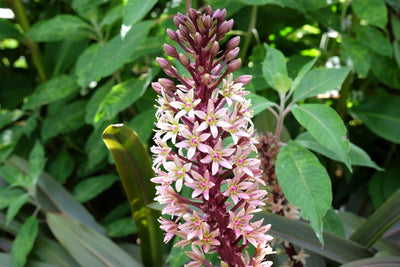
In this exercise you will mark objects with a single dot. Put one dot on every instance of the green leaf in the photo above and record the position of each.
(23, 242)
(54, 197)
(121, 227)
(67, 119)
(87, 8)
(135, 10)
(112, 15)
(94, 102)
(358, 156)
(282, 83)
(396, 51)
(95, 149)
(8, 30)
(302, 72)
(37, 161)
(122, 96)
(381, 114)
(52, 252)
(9, 116)
(386, 70)
(333, 223)
(305, 183)
(373, 11)
(300, 233)
(134, 167)
(62, 166)
(15, 177)
(379, 222)
(15, 206)
(259, 103)
(358, 54)
(325, 125)
(373, 39)
(88, 247)
(55, 89)
(110, 56)
(396, 28)
(9, 195)
(273, 64)
(375, 262)
(319, 81)
(9, 139)
(143, 124)
(59, 28)
(93, 186)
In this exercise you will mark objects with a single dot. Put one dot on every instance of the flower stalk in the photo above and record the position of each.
(205, 145)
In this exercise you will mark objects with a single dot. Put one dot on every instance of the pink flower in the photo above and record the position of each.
(193, 141)
(217, 156)
(201, 184)
(212, 119)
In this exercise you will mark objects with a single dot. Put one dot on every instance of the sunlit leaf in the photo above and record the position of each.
(259, 103)
(273, 64)
(373, 39)
(23, 242)
(135, 10)
(9, 116)
(373, 11)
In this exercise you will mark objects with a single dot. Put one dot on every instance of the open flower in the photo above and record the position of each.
(197, 115)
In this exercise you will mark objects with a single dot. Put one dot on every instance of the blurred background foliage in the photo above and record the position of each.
(70, 68)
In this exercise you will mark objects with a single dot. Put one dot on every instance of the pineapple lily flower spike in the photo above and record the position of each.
(204, 145)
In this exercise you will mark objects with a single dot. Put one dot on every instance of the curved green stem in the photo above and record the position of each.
(252, 25)
(18, 8)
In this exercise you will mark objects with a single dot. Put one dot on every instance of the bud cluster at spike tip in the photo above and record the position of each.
(204, 146)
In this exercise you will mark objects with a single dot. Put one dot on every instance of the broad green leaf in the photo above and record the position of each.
(375, 262)
(59, 28)
(121, 227)
(37, 161)
(8, 29)
(333, 223)
(23, 242)
(302, 72)
(358, 54)
(51, 91)
(282, 83)
(135, 10)
(88, 247)
(134, 167)
(379, 222)
(373, 11)
(15, 206)
(68, 119)
(112, 15)
(15, 177)
(54, 197)
(110, 56)
(386, 71)
(375, 189)
(9, 195)
(87, 8)
(273, 64)
(325, 125)
(122, 96)
(373, 39)
(95, 149)
(9, 139)
(143, 124)
(94, 102)
(259, 103)
(9, 116)
(62, 166)
(358, 156)
(300, 233)
(93, 186)
(319, 81)
(52, 252)
(396, 52)
(396, 28)
(305, 183)
(381, 114)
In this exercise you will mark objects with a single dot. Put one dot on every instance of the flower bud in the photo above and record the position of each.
(184, 31)
(208, 22)
(206, 79)
(234, 65)
(244, 79)
(198, 39)
(232, 43)
(200, 25)
(166, 83)
(164, 63)
(190, 26)
(233, 53)
(230, 25)
(170, 50)
(217, 14)
(170, 73)
(172, 35)
(179, 19)
(193, 14)
(185, 61)
(157, 87)
(208, 11)
(214, 49)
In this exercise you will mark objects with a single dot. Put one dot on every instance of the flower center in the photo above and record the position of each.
(194, 141)
(203, 184)
(234, 188)
(240, 161)
(217, 156)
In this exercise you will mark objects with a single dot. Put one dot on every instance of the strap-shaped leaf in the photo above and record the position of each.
(134, 167)
(88, 247)
(325, 125)
(375, 262)
(379, 222)
(305, 183)
(300, 233)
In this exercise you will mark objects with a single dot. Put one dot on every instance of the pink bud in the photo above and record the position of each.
(172, 34)
(190, 26)
(198, 39)
(244, 79)
(209, 11)
(214, 49)
(230, 25)
(217, 14)
(185, 61)
(222, 28)
(183, 30)
(232, 43)
(193, 14)
(233, 53)
(170, 50)
(170, 73)
(208, 22)
(166, 83)
(157, 87)
(179, 19)
(206, 79)
(234, 65)
(164, 63)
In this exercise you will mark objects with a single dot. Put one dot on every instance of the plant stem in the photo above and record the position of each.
(252, 24)
(281, 116)
(18, 8)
